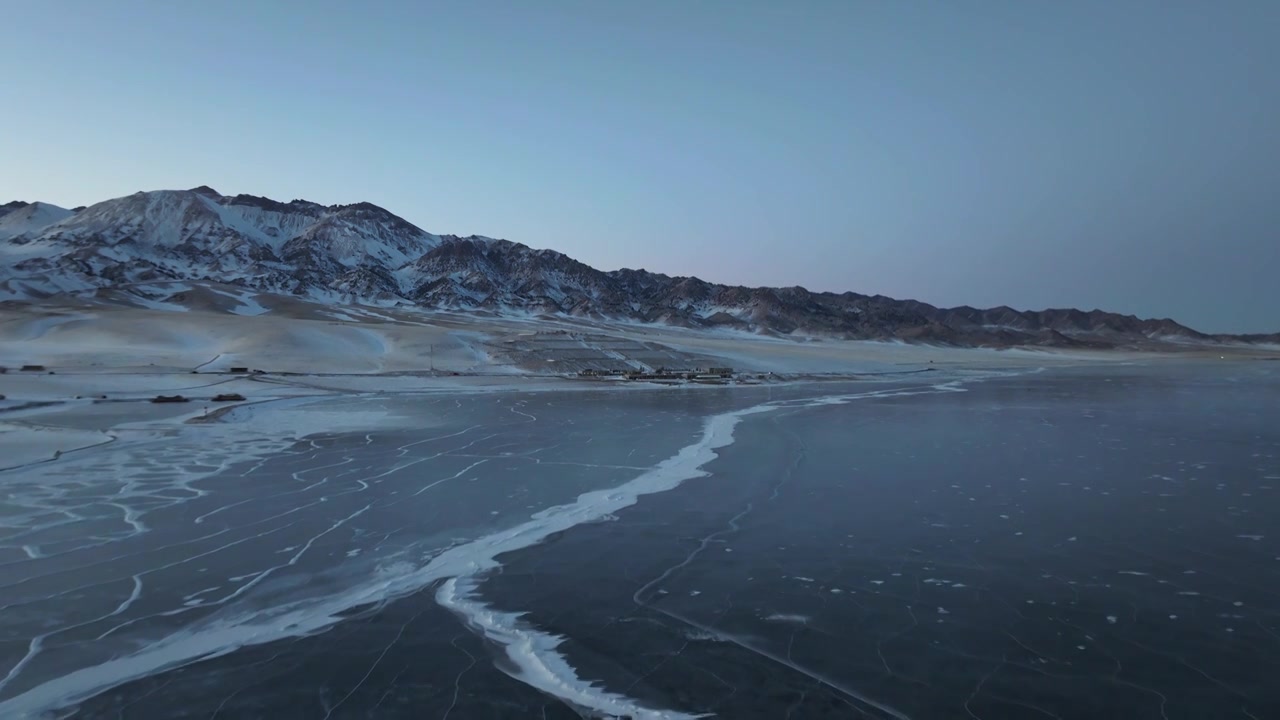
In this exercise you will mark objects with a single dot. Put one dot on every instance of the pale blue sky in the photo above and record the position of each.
(1123, 155)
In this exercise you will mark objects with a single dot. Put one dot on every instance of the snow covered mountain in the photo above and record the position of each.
(299, 247)
(20, 218)
(362, 253)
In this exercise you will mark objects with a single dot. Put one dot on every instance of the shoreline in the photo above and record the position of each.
(105, 400)
(122, 357)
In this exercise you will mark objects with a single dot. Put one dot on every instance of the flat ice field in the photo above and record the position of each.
(997, 536)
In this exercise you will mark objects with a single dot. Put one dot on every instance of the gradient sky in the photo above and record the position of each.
(1121, 155)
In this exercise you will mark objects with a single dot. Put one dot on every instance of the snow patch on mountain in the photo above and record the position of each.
(18, 219)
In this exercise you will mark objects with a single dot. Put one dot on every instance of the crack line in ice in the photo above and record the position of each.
(455, 476)
(538, 662)
(218, 636)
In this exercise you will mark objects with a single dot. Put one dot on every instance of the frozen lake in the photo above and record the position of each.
(1073, 543)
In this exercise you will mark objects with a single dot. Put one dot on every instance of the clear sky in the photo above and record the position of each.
(1122, 155)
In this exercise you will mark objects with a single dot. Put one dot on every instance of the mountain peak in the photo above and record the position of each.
(206, 191)
(264, 203)
(20, 219)
(363, 205)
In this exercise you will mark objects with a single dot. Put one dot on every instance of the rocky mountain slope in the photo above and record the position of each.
(362, 253)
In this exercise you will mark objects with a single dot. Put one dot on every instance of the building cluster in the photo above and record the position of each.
(662, 373)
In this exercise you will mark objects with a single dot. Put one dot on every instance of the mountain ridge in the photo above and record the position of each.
(363, 253)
